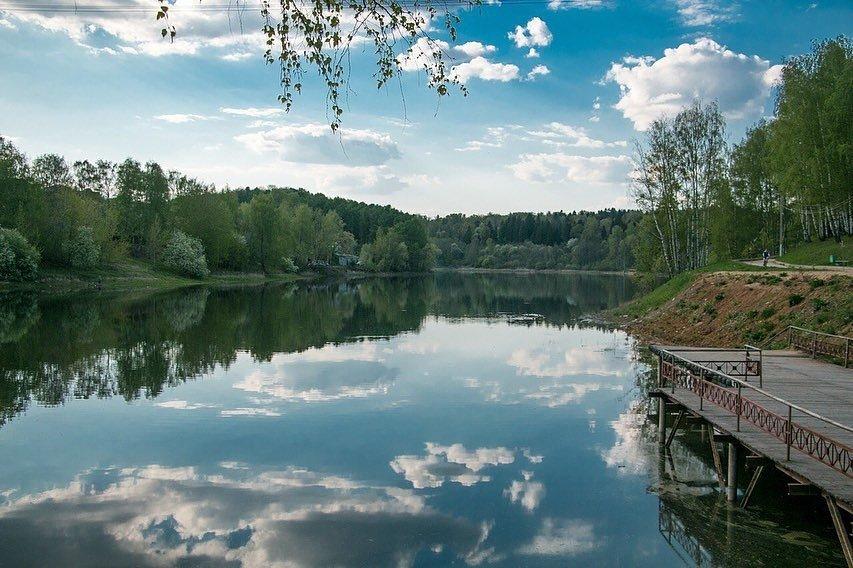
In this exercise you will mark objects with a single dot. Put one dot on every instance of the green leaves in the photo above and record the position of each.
(318, 34)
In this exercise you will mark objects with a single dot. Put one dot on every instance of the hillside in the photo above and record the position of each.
(721, 309)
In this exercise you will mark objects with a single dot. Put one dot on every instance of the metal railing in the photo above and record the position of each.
(818, 343)
(727, 393)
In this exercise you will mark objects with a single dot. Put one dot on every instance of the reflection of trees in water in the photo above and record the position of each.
(101, 345)
(562, 298)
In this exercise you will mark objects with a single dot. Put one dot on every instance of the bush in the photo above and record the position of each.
(287, 265)
(795, 299)
(19, 259)
(184, 255)
(818, 304)
(767, 313)
(83, 251)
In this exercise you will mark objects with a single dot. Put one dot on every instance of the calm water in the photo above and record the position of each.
(388, 422)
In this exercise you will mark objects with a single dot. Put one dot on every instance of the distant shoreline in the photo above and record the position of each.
(467, 269)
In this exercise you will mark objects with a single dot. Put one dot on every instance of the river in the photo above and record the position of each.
(382, 422)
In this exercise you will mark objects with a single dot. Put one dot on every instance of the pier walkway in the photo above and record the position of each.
(778, 408)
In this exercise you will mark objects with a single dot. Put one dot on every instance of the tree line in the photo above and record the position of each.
(601, 240)
(98, 213)
(790, 180)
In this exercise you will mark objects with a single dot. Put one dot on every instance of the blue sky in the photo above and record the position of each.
(104, 85)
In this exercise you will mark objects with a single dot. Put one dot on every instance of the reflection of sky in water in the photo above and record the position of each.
(469, 442)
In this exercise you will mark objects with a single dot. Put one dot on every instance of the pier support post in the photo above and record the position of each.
(731, 478)
(661, 420)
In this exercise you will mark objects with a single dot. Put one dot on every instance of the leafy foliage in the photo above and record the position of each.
(83, 250)
(184, 255)
(18, 258)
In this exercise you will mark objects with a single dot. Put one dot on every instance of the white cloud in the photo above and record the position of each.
(317, 144)
(703, 69)
(449, 463)
(421, 55)
(697, 13)
(128, 27)
(565, 135)
(534, 33)
(532, 53)
(559, 537)
(482, 68)
(253, 112)
(539, 70)
(182, 118)
(473, 49)
(559, 167)
(494, 138)
(576, 4)
(238, 56)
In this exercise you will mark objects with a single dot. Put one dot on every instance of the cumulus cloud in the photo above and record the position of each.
(449, 463)
(421, 55)
(651, 88)
(561, 167)
(539, 70)
(482, 68)
(315, 143)
(473, 49)
(696, 13)
(494, 138)
(532, 53)
(534, 33)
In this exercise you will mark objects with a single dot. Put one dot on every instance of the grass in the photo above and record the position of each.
(675, 285)
(133, 274)
(817, 253)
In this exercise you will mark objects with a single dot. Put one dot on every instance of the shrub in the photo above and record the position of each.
(816, 282)
(287, 265)
(719, 297)
(19, 259)
(767, 313)
(795, 299)
(709, 309)
(818, 304)
(83, 251)
(184, 255)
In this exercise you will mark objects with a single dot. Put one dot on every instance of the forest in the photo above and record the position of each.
(700, 199)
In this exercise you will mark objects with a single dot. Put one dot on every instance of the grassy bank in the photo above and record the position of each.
(135, 274)
(817, 253)
(730, 308)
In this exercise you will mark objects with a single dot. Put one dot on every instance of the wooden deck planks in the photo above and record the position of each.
(820, 387)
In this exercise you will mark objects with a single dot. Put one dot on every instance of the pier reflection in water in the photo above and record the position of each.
(379, 422)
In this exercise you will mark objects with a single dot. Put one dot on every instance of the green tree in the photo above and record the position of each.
(264, 232)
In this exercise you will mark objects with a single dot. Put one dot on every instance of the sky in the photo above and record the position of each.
(558, 93)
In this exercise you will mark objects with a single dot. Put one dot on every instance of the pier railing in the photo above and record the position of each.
(818, 343)
(726, 391)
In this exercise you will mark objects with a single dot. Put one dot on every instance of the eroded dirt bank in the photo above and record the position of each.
(725, 309)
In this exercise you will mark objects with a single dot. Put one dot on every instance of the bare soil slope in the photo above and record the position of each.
(723, 309)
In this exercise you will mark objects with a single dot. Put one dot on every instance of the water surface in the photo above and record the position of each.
(385, 422)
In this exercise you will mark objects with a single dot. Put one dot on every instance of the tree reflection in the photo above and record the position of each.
(135, 345)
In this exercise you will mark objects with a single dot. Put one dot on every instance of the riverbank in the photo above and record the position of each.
(472, 270)
(137, 275)
(730, 308)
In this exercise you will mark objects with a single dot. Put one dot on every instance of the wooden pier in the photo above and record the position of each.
(781, 408)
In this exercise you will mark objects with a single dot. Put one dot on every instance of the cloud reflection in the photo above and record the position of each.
(159, 516)
(449, 463)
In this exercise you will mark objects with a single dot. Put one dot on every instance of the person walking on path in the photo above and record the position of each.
(766, 256)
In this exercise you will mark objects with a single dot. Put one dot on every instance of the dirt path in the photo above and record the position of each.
(773, 263)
